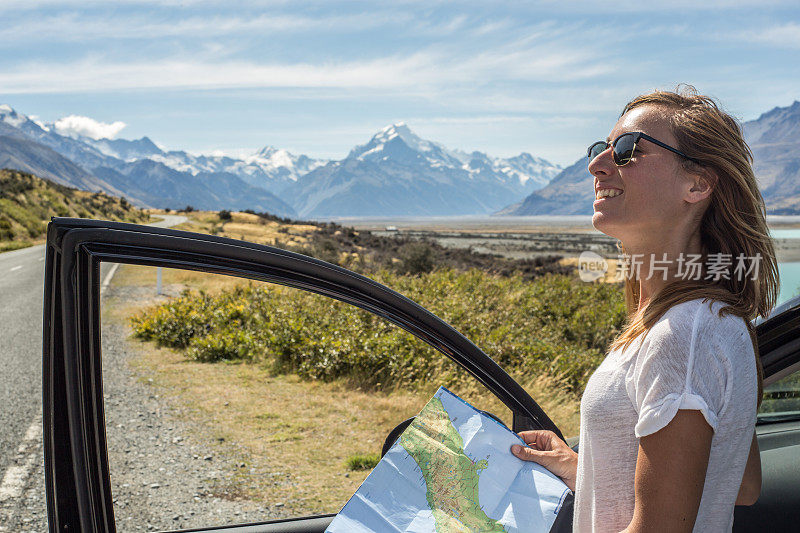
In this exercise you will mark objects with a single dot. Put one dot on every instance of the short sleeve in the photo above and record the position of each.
(682, 364)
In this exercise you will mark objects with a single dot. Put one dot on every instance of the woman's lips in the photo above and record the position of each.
(599, 201)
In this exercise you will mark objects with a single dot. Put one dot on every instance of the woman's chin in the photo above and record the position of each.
(602, 223)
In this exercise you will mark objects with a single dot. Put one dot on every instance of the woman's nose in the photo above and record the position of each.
(602, 164)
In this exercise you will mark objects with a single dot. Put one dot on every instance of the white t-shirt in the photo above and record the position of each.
(690, 359)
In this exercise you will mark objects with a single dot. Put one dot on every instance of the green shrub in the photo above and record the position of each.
(6, 230)
(554, 325)
(326, 250)
(417, 257)
(176, 323)
(223, 345)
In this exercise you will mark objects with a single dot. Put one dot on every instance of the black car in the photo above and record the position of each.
(76, 461)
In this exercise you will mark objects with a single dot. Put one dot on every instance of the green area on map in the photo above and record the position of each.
(451, 477)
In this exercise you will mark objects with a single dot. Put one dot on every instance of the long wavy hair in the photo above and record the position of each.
(734, 222)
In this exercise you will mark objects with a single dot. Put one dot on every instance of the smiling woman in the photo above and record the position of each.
(677, 189)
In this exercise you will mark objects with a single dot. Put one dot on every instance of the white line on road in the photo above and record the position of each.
(16, 475)
(41, 259)
(108, 277)
(16, 268)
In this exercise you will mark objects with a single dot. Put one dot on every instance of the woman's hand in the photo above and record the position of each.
(545, 448)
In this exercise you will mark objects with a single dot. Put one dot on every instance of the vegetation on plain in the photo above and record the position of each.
(554, 325)
(363, 251)
(27, 203)
(529, 316)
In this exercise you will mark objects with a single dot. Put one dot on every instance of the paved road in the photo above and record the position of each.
(21, 294)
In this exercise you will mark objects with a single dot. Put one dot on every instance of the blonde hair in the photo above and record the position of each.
(734, 222)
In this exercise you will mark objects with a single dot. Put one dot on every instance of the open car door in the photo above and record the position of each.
(77, 476)
(778, 425)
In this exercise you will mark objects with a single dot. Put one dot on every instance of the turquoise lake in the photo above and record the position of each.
(793, 233)
(789, 272)
(790, 280)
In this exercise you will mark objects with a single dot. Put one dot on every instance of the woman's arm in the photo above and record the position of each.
(751, 481)
(670, 474)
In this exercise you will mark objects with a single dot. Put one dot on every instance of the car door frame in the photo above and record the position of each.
(779, 341)
(77, 477)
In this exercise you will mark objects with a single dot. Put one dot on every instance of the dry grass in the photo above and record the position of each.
(247, 227)
(175, 280)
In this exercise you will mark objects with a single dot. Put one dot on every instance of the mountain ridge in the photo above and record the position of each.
(395, 172)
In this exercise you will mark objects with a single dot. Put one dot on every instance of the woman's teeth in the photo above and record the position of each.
(607, 193)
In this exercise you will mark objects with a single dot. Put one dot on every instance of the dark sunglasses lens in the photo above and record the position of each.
(623, 149)
(597, 149)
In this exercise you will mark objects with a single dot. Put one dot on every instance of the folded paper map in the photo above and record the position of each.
(452, 470)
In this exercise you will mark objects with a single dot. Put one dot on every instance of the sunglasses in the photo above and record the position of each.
(624, 147)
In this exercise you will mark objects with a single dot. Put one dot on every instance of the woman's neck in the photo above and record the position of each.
(659, 262)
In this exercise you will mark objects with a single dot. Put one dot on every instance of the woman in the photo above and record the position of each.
(667, 438)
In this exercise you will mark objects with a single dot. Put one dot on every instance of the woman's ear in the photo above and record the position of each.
(700, 185)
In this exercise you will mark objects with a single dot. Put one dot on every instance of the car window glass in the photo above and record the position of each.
(231, 401)
(782, 398)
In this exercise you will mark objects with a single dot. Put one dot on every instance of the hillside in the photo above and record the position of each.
(775, 141)
(29, 156)
(28, 202)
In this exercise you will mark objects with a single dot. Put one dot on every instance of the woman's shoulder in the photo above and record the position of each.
(703, 312)
(698, 321)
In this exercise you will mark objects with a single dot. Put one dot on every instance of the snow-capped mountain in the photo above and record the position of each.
(124, 149)
(399, 173)
(531, 173)
(269, 168)
(124, 168)
(21, 126)
(399, 142)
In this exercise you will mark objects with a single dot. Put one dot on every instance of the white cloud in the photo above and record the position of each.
(480, 119)
(31, 5)
(80, 27)
(591, 6)
(39, 122)
(424, 72)
(780, 36)
(73, 125)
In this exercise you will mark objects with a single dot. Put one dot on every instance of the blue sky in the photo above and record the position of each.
(317, 78)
